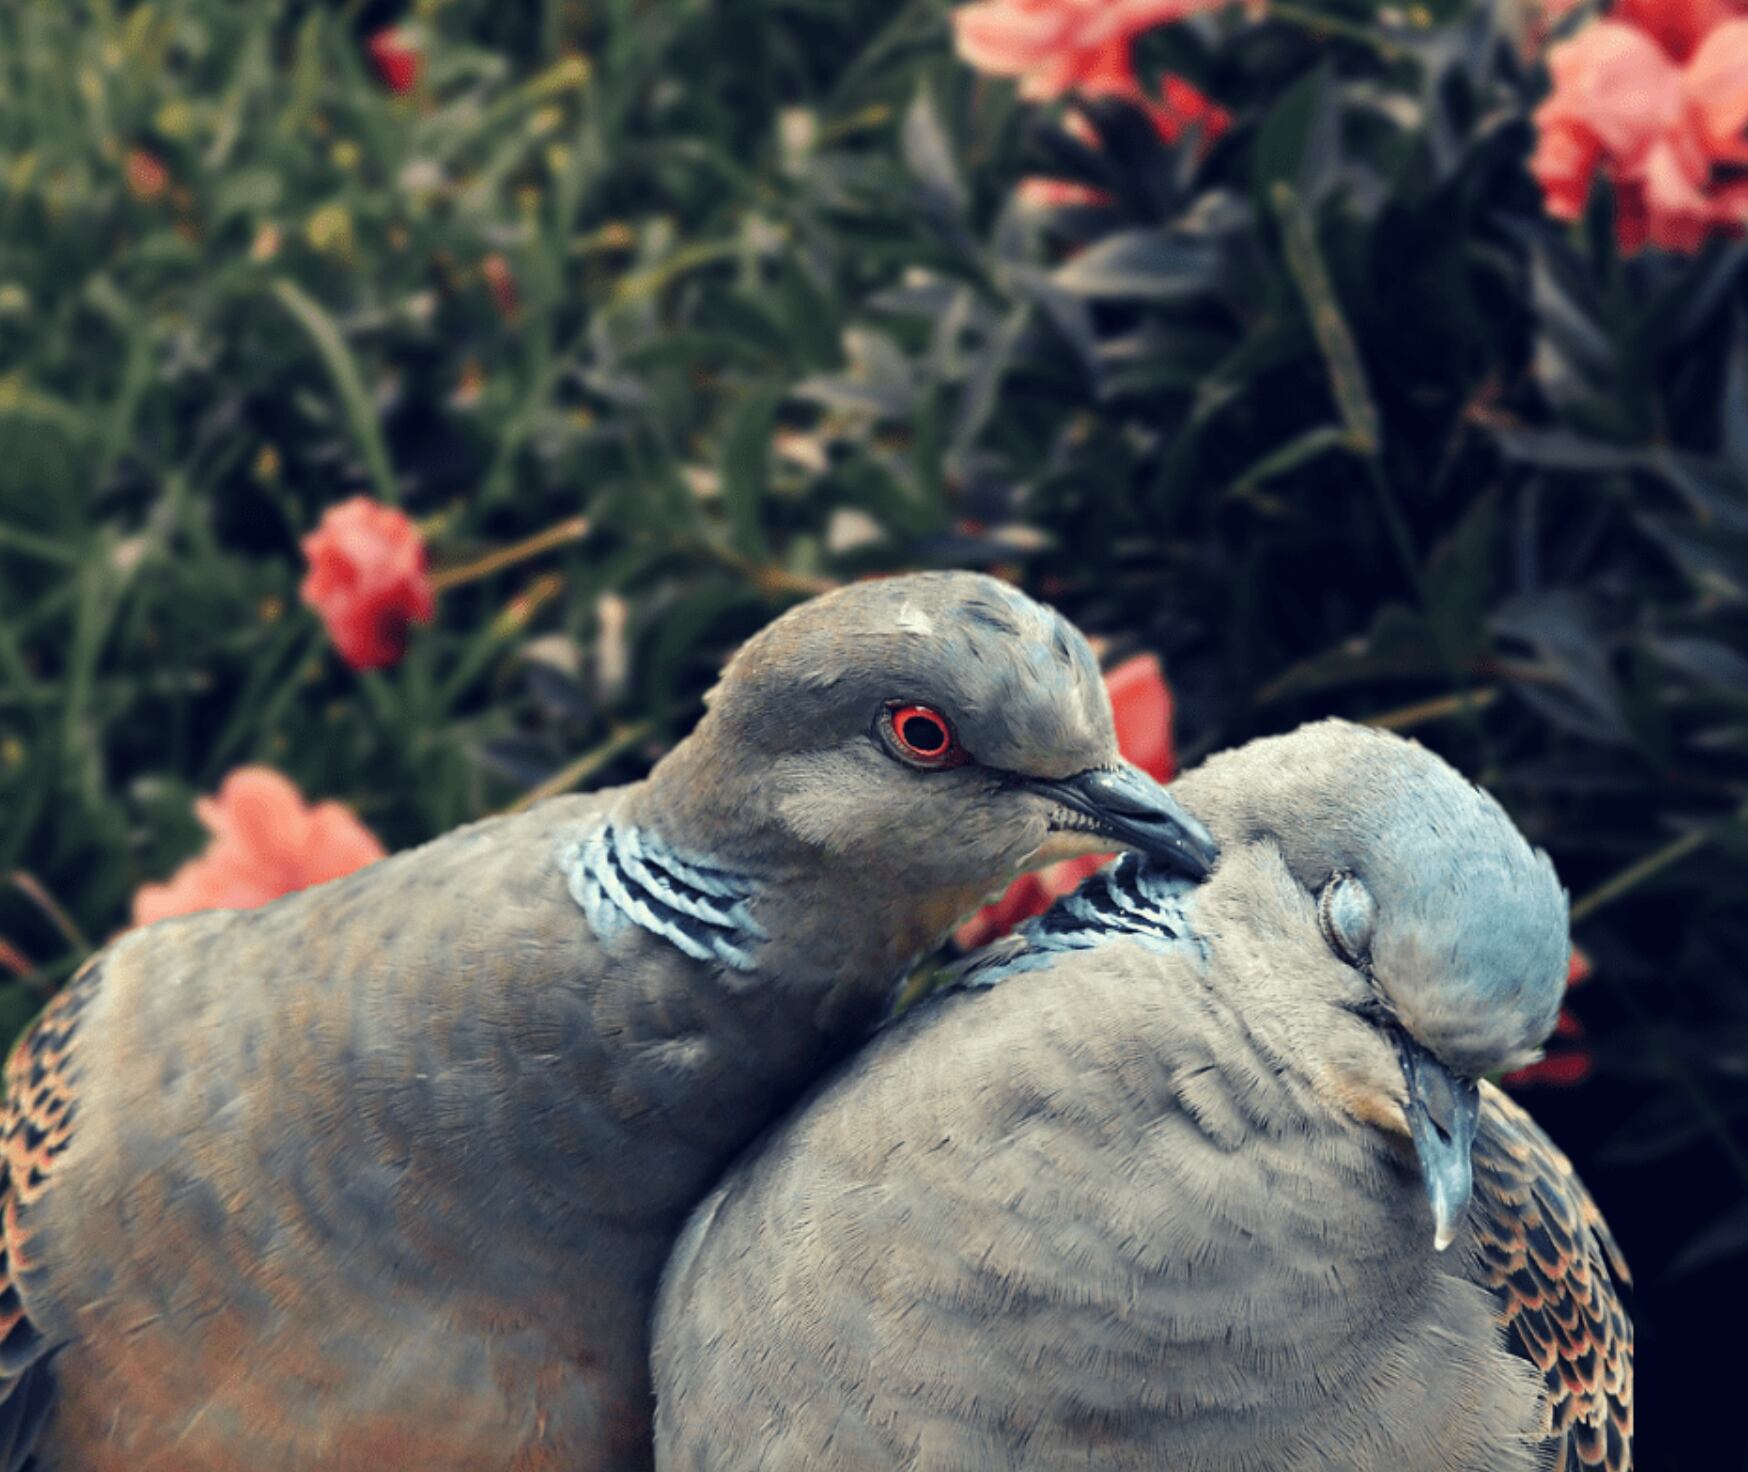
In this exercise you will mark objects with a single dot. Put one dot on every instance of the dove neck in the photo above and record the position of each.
(826, 934)
(840, 946)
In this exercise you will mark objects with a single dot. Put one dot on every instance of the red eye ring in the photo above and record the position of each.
(923, 736)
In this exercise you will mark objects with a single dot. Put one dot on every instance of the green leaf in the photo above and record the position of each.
(983, 385)
(1574, 359)
(1461, 574)
(246, 192)
(1341, 356)
(1148, 265)
(1566, 449)
(1299, 141)
(343, 369)
(1724, 1238)
(1398, 646)
(1707, 660)
(1576, 689)
(928, 154)
(1733, 402)
(1298, 451)
(18, 1005)
(746, 466)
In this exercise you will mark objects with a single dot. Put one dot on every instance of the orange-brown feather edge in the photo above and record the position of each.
(1544, 1249)
(35, 1128)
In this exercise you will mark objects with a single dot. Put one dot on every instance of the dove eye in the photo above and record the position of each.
(921, 736)
(1348, 913)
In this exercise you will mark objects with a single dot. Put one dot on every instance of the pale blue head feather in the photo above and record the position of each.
(1467, 922)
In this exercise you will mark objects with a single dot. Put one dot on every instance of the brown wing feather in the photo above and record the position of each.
(35, 1126)
(1546, 1251)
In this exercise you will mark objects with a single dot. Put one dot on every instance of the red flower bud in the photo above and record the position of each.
(146, 175)
(367, 581)
(395, 59)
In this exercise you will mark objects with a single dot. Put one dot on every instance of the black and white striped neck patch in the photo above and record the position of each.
(621, 875)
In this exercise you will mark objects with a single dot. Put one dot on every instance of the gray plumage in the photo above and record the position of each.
(1141, 1192)
(383, 1174)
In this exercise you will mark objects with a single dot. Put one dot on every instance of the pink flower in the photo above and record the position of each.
(395, 59)
(1179, 108)
(1053, 46)
(266, 841)
(1141, 706)
(367, 581)
(1564, 1065)
(1717, 88)
(1664, 135)
(1616, 91)
(1678, 26)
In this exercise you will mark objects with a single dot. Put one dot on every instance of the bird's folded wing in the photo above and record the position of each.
(34, 1129)
(1546, 1252)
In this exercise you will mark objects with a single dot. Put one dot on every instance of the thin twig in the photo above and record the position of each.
(572, 530)
(1653, 864)
(46, 902)
(14, 960)
(29, 974)
(770, 579)
(1407, 717)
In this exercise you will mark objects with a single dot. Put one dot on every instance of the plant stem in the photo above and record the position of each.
(1332, 25)
(14, 960)
(46, 902)
(355, 402)
(572, 530)
(886, 40)
(1653, 864)
(1407, 717)
(767, 577)
(1351, 392)
(585, 766)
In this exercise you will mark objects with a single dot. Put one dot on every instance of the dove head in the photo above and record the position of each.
(1430, 921)
(928, 735)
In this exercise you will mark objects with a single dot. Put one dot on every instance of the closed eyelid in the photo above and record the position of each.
(1347, 915)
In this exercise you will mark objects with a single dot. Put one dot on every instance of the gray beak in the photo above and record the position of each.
(1128, 807)
(1443, 1113)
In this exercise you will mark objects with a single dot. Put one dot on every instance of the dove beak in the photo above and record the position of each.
(1444, 1112)
(1126, 806)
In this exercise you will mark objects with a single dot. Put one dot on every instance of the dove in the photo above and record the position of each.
(1191, 1175)
(383, 1174)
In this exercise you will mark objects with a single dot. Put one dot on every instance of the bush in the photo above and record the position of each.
(659, 317)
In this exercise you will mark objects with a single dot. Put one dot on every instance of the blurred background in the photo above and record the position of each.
(403, 411)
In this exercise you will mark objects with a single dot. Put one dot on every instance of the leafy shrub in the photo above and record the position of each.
(659, 317)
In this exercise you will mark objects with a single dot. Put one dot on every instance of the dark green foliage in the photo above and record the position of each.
(1328, 413)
